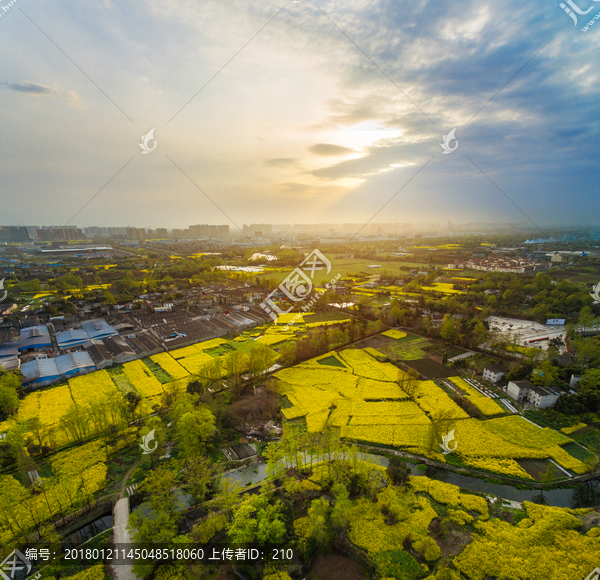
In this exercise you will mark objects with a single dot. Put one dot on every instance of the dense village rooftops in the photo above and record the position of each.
(45, 370)
(98, 328)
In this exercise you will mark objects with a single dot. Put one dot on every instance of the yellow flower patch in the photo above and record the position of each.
(515, 429)
(326, 323)
(212, 343)
(398, 434)
(194, 363)
(170, 365)
(92, 573)
(393, 333)
(139, 375)
(368, 529)
(270, 339)
(366, 366)
(503, 466)
(433, 399)
(97, 387)
(486, 405)
(550, 547)
(573, 428)
(372, 389)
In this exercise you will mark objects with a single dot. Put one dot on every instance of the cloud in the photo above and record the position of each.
(282, 162)
(326, 149)
(72, 99)
(39, 90)
(32, 88)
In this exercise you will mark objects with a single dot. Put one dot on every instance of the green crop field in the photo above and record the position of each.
(350, 266)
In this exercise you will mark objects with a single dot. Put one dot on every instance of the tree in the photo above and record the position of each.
(508, 296)
(288, 352)
(12, 498)
(261, 358)
(198, 476)
(546, 478)
(340, 515)
(410, 382)
(182, 405)
(590, 381)
(132, 402)
(398, 471)
(160, 528)
(193, 430)
(160, 437)
(10, 383)
(228, 496)
(545, 375)
(235, 364)
(109, 298)
(75, 423)
(195, 387)
(439, 427)
(160, 485)
(257, 520)
(38, 430)
(318, 524)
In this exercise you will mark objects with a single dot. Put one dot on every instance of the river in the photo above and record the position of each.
(570, 498)
(581, 496)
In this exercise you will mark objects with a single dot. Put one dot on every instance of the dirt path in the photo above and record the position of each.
(124, 482)
(121, 537)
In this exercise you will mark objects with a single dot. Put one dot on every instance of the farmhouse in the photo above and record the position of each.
(526, 391)
(494, 373)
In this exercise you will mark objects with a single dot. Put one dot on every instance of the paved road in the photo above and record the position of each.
(121, 536)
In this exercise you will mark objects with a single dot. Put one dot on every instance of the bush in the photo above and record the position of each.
(400, 565)
(398, 471)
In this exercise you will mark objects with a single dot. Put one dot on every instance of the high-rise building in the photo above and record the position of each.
(258, 229)
(14, 234)
(59, 234)
(206, 231)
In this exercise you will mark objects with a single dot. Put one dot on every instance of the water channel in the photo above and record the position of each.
(570, 498)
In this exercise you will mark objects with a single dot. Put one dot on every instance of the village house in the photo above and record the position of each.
(494, 373)
(525, 391)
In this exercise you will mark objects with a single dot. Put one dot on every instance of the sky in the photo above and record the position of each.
(298, 112)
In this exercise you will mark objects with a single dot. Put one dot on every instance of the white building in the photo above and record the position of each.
(541, 397)
(494, 373)
(574, 380)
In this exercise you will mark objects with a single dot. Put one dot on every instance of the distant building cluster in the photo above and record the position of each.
(258, 230)
(500, 264)
(14, 234)
(59, 234)
(19, 234)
